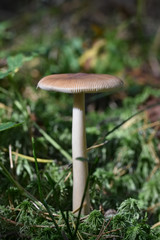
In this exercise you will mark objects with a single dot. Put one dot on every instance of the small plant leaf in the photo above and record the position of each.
(8, 125)
(82, 159)
(14, 64)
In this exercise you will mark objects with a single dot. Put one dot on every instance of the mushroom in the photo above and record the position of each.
(78, 84)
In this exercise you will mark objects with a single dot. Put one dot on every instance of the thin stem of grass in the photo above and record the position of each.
(54, 143)
(67, 223)
(121, 124)
(40, 190)
(66, 219)
(57, 183)
(80, 209)
(19, 187)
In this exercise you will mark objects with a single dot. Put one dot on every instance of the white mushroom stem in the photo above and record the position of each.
(80, 168)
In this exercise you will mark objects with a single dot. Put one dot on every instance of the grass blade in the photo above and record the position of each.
(40, 190)
(31, 159)
(54, 143)
(14, 182)
(80, 209)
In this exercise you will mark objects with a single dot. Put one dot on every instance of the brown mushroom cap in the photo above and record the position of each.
(80, 82)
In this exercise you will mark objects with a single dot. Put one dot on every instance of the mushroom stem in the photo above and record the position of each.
(80, 167)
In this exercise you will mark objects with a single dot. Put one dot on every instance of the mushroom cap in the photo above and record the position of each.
(80, 82)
